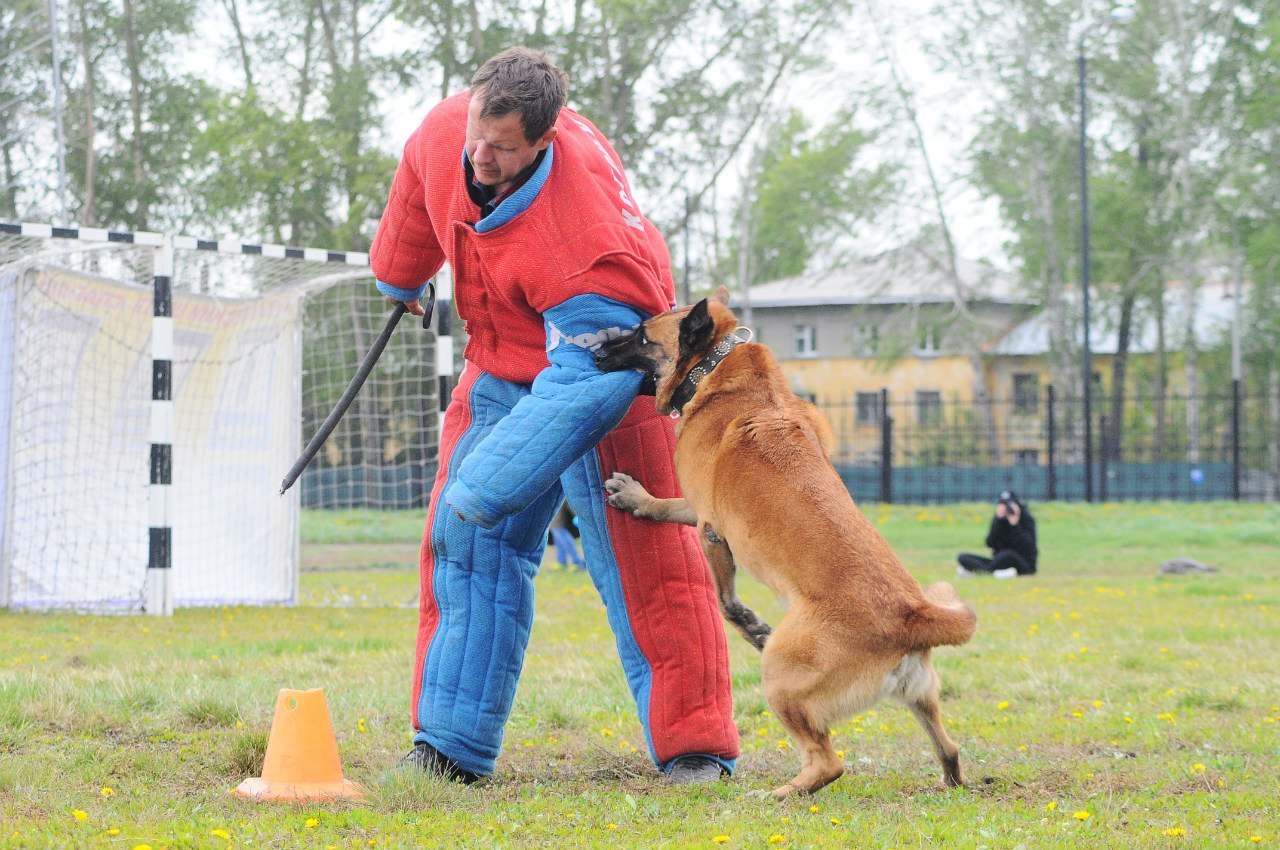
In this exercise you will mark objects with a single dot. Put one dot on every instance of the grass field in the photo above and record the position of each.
(1100, 705)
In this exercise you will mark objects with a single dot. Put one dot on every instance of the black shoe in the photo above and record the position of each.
(428, 759)
(691, 769)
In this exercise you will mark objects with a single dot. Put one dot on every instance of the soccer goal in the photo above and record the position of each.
(154, 389)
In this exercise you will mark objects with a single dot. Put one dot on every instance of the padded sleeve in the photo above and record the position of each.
(571, 407)
(405, 252)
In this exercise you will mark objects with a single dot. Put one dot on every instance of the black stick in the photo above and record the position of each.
(349, 395)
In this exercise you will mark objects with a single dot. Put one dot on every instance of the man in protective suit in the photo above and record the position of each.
(528, 203)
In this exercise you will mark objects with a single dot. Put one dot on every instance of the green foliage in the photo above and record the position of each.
(810, 192)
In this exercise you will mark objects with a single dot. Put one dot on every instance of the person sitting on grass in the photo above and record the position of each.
(1012, 539)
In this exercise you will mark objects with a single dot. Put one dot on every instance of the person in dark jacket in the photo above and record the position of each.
(1012, 539)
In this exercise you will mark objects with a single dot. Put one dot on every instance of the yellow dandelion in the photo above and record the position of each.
(221, 833)
(1176, 830)
(783, 743)
(766, 713)
(835, 821)
(239, 724)
(777, 839)
(1256, 839)
(1128, 720)
(840, 754)
(142, 847)
(1097, 703)
(311, 822)
(613, 826)
(80, 815)
(115, 830)
(1053, 805)
(108, 792)
(786, 819)
(608, 733)
(1198, 767)
(720, 839)
(1081, 816)
(360, 725)
(1002, 705)
(813, 809)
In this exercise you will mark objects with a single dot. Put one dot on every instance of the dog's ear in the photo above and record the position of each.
(722, 295)
(697, 330)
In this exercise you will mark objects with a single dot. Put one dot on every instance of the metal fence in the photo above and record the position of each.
(1188, 448)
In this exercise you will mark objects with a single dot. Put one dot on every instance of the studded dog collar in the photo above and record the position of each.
(684, 393)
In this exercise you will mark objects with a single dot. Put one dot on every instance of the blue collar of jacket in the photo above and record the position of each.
(519, 200)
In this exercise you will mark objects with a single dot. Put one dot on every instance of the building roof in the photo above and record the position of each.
(911, 275)
(1214, 311)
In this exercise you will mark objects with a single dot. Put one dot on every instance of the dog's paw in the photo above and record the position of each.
(625, 493)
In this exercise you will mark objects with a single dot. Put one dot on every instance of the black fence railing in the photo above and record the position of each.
(1189, 448)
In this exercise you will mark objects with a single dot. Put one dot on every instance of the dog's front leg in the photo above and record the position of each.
(628, 494)
(720, 559)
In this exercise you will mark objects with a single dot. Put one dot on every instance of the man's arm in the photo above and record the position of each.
(572, 406)
(405, 252)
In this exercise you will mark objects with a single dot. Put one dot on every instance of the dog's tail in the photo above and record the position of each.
(942, 619)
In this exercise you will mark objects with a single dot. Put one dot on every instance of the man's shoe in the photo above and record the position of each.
(428, 759)
(1007, 572)
(962, 572)
(690, 769)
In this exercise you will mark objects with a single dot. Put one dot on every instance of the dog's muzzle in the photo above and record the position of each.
(621, 353)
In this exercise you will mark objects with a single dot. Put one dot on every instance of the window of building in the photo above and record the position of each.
(869, 340)
(806, 341)
(928, 407)
(1026, 457)
(1026, 392)
(926, 339)
(867, 409)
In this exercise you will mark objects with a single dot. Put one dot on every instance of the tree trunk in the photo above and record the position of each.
(133, 61)
(89, 206)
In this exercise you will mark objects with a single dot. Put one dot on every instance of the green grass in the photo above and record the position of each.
(1150, 704)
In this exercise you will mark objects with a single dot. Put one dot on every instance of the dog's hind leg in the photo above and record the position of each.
(925, 705)
(720, 559)
(799, 690)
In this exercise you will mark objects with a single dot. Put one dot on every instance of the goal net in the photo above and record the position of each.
(264, 340)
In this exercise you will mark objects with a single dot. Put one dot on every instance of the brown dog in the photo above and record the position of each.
(752, 460)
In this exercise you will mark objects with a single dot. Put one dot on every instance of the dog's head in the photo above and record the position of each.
(667, 346)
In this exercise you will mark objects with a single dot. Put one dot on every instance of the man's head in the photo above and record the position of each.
(515, 98)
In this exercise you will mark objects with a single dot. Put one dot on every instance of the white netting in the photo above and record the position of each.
(263, 347)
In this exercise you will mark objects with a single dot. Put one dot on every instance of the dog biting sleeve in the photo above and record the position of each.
(571, 407)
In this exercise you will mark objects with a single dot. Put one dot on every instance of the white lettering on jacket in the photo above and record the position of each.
(588, 341)
(630, 217)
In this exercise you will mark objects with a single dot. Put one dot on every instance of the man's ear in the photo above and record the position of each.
(546, 139)
(697, 330)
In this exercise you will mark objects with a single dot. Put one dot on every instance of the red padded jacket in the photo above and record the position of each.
(582, 233)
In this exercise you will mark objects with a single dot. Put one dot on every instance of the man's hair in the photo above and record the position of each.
(523, 81)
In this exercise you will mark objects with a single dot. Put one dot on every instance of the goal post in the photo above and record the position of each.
(153, 390)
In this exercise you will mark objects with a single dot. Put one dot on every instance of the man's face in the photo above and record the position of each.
(496, 146)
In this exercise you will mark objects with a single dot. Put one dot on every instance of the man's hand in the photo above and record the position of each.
(1001, 511)
(414, 307)
(1015, 514)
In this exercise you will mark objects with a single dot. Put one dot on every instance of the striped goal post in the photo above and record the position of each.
(154, 388)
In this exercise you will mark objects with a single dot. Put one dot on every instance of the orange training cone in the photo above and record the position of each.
(302, 754)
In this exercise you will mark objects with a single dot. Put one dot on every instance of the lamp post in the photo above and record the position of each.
(1121, 15)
